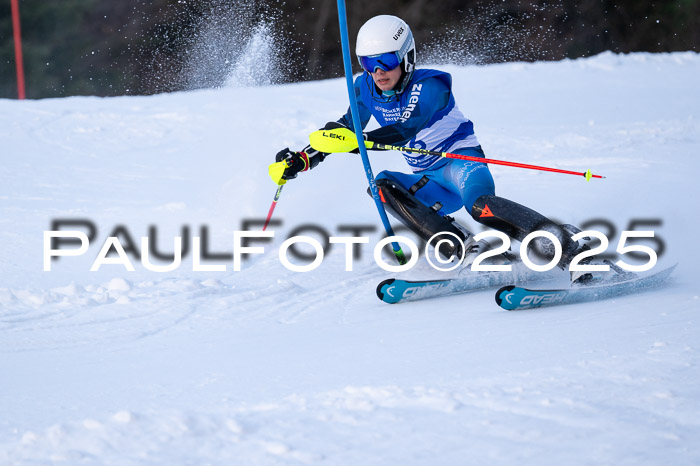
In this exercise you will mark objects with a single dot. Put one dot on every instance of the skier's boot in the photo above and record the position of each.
(517, 221)
(476, 248)
(421, 219)
(606, 271)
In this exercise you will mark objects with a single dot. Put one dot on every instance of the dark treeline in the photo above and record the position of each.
(107, 47)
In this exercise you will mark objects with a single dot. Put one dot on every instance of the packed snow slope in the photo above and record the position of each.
(270, 366)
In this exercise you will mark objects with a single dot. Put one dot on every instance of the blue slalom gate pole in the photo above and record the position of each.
(357, 124)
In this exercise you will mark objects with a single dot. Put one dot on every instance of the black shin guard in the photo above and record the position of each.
(517, 221)
(422, 220)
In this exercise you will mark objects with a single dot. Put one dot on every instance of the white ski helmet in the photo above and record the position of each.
(386, 42)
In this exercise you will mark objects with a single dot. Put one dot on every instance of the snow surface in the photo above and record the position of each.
(269, 366)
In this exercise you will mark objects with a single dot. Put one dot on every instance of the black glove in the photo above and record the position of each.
(299, 161)
(334, 125)
(305, 159)
(296, 162)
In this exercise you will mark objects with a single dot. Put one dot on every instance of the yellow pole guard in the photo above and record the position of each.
(334, 140)
(276, 171)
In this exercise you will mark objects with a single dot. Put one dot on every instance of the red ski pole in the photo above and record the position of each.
(587, 174)
(272, 206)
(344, 140)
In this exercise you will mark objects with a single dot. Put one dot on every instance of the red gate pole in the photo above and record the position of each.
(18, 49)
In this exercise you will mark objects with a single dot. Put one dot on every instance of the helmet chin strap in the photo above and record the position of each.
(403, 80)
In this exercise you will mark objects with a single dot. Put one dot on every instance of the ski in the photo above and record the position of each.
(514, 298)
(394, 290)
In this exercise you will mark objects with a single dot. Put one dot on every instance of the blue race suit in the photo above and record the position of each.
(426, 116)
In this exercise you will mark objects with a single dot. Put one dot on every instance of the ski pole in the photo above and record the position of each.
(344, 140)
(273, 205)
(276, 171)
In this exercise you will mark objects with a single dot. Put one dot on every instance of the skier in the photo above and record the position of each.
(416, 108)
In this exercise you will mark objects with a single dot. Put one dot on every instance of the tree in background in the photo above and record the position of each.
(102, 47)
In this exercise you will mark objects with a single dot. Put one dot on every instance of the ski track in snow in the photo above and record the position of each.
(121, 310)
(268, 366)
(355, 422)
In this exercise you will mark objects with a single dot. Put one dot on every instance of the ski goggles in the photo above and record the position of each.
(386, 61)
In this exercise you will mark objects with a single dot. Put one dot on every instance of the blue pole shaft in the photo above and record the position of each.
(357, 124)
